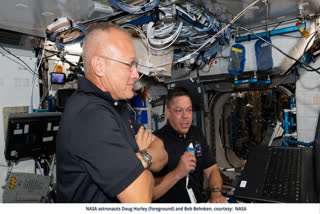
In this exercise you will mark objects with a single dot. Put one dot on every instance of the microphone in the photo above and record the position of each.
(191, 149)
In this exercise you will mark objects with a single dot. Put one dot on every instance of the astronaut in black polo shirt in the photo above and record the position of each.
(102, 156)
(181, 180)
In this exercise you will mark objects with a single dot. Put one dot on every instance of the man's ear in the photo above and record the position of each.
(97, 66)
(167, 111)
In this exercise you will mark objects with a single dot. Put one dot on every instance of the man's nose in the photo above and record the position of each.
(185, 114)
(134, 72)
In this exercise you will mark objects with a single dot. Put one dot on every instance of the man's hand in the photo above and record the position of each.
(144, 138)
(217, 197)
(214, 179)
(154, 145)
(186, 163)
(163, 184)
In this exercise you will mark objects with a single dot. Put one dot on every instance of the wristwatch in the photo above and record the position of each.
(146, 157)
(215, 189)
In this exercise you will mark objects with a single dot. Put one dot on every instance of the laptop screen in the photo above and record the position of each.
(317, 154)
(31, 135)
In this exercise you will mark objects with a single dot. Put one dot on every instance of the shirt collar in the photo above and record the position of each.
(175, 133)
(88, 87)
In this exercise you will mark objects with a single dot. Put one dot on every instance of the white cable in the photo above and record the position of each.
(44, 95)
(9, 171)
(207, 42)
(141, 33)
(187, 32)
(176, 34)
(49, 86)
(197, 45)
(185, 13)
(3, 165)
(281, 51)
(38, 164)
(184, 58)
(35, 72)
(165, 30)
(227, 26)
(190, 192)
(52, 165)
(130, 8)
(159, 42)
(47, 163)
(217, 34)
(275, 133)
(160, 49)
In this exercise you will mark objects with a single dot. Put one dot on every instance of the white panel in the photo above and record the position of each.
(15, 90)
(153, 60)
(33, 16)
(308, 107)
(291, 46)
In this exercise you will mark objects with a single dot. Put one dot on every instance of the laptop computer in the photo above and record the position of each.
(292, 176)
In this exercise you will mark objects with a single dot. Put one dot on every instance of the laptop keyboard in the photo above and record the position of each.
(283, 179)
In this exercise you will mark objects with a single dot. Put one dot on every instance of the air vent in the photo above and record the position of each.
(11, 38)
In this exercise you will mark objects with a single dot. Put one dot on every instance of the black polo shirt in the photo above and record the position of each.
(175, 145)
(96, 147)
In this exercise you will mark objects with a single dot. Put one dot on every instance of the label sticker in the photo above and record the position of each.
(236, 50)
(13, 153)
(49, 127)
(243, 184)
(316, 100)
(26, 129)
(46, 139)
(17, 131)
(55, 128)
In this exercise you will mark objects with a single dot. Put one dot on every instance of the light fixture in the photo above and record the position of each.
(47, 14)
(21, 5)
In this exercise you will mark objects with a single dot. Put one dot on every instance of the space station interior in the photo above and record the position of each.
(251, 67)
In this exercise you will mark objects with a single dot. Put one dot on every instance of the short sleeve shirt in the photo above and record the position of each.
(175, 145)
(96, 147)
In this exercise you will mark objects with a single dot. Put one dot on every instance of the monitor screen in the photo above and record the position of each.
(31, 135)
(58, 78)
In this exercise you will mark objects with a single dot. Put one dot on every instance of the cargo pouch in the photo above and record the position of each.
(237, 59)
(264, 55)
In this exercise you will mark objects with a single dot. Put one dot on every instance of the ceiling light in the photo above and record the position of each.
(47, 14)
(21, 6)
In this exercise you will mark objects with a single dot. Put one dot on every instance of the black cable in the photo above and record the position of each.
(54, 52)
(46, 57)
(277, 25)
(250, 31)
(17, 58)
(63, 59)
(25, 64)
(67, 61)
(19, 63)
(305, 49)
(302, 63)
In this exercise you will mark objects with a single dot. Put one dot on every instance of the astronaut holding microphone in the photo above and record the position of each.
(189, 157)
